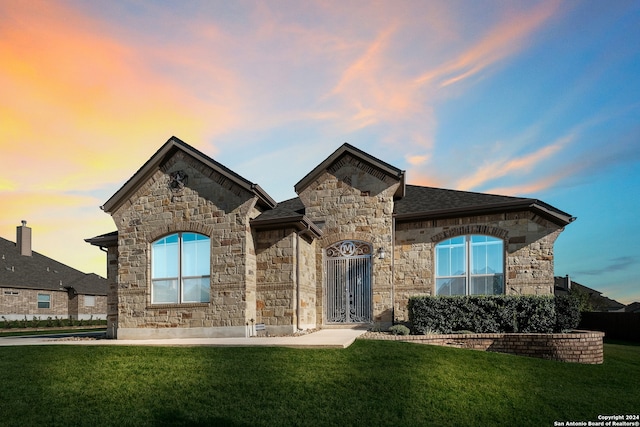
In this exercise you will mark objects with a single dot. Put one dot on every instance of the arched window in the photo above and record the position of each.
(180, 269)
(470, 265)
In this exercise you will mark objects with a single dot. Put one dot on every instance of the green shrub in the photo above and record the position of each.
(568, 309)
(399, 330)
(483, 314)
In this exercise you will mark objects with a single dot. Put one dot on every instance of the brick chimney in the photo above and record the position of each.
(23, 239)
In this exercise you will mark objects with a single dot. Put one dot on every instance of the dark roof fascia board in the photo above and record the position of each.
(104, 241)
(173, 144)
(350, 149)
(541, 208)
(300, 222)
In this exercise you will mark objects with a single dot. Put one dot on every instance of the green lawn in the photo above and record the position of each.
(370, 383)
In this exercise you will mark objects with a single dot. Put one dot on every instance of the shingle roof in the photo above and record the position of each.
(598, 301)
(41, 272)
(634, 307)
(291, 212)
(432, 203)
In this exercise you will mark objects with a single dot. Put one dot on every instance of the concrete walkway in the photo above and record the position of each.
(324, 338)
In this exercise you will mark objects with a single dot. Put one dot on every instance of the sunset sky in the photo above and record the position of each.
(523, 98)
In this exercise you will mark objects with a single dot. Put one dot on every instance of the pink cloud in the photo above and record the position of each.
(505, 39)
(519, 165)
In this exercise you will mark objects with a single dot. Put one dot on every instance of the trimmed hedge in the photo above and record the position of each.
(495, 313)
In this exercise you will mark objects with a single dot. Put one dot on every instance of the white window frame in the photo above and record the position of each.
(89, 300)
(180, 278)
(468, 262)
(48, 301)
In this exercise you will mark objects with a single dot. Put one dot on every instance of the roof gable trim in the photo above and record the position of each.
(358, 154)
(161, 156)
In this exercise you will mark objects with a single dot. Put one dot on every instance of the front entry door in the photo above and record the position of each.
(347, 266)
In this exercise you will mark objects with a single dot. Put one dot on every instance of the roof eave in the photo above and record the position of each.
(104, 241)
(560, 218)
(301, 222)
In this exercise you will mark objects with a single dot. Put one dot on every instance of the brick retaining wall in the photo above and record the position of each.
(577, 347)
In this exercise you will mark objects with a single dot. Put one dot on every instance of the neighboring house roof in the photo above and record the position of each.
(598, 301)
(347, 149)
(43, 273)
(434, 203)
(634, 307)
(166, 151)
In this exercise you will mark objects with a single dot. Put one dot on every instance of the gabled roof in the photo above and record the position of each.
(434, 203)
(162, 155)
(43, 273)
(347, 149)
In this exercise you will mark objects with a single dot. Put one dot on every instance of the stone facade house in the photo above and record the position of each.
(200, 251)
(34, 285)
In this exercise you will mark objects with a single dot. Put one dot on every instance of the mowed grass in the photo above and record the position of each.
(371, 383)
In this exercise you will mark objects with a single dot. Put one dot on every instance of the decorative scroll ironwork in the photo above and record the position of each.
(348, 282)
(348, 249)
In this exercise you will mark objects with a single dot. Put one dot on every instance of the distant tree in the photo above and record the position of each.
(584, 299)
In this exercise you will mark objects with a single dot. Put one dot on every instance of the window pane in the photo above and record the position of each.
(196, 255)
(164, 291)
(455, 286)
(486, 255)
(89, 300)
(450, 258)
(195, 289)
(487, 285)
(44, 301)
(164, 257)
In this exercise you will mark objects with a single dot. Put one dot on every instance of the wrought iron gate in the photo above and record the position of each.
(347, 267)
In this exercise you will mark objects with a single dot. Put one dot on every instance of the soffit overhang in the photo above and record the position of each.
(301, 223)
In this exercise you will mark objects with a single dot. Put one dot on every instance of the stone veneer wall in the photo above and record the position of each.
(578, 347)
(286, 264)
(353, 201)
(307, 282)
(275, 304)
(209, 204)
(528, 238)
(112, 292)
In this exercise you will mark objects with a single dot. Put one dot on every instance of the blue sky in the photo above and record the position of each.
(524, 98)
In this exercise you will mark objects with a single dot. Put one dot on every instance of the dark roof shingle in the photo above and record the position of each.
(41, 272)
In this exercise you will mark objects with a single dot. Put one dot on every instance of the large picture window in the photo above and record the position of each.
(470, 265)
(180, 269)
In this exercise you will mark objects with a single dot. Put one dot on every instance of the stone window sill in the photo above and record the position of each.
(185, 305)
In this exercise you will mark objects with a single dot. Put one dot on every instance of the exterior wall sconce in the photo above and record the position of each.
(381, 253)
